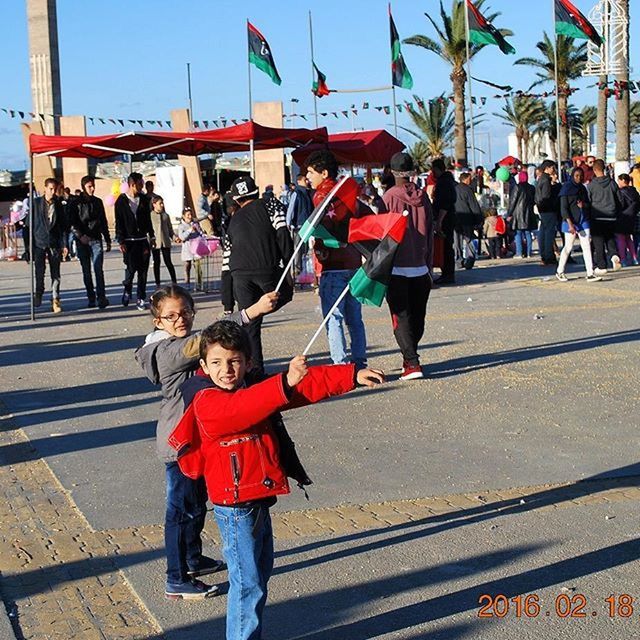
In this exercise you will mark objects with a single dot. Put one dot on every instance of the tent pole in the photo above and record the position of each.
(31, 260)
(555, 64)
(253, 159)
(249, 75)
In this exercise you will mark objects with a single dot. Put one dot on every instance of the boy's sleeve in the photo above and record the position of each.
(228, 412)
(323, 382)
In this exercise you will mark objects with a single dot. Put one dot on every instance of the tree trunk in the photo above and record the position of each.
(623, 147)
(601, 124)
(564, 128)
(458, 79)
(526, 137)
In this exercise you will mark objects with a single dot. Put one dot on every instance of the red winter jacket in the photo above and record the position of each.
(226, 436)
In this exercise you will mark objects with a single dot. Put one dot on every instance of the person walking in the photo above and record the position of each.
(468, 218)
(164, 236)
(133, 232)
(410, 284)
(89, 225)
(548, 208)
(50, 228)
(626, 224)
(522, 216)
(299, 209)
(574, 209)
(261, 246)
(605, 206)
(444, 208)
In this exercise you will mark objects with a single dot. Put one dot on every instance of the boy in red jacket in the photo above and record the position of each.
(226, 435)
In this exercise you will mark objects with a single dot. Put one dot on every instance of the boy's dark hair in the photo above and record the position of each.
(439, 164)
(626, 178)
(228, 335)
(323, 160)
(86, 180)
(169, 291)
(156, 198)
(134, 177)
(50, 181)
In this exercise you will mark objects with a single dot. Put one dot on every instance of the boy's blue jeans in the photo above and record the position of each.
(349, 312)
(89, 254)
(183, 524)
(520, 247)
(247, 540)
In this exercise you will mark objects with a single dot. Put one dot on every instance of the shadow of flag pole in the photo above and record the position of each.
(326, 319)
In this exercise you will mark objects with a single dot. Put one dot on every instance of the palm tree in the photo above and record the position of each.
(634, 117)
(623, 129)
(435, 126)
(523, 113)
(571, 62)
(589, 117)
(451, 46)
(421, 156)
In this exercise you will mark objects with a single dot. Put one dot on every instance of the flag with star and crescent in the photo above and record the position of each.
(260, 53)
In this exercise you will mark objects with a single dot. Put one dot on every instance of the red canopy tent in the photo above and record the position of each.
(356, 147)
(242, 137)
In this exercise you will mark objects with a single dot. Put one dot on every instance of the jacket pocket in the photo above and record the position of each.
(246, 464)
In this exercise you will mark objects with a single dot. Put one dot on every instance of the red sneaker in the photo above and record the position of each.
(411, 372)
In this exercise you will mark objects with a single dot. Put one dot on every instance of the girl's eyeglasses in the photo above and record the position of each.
(187, 314)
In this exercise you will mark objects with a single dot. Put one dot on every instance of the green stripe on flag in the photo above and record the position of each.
(366, 290)
(481, 37)
(571, 31)
(264, 65)
(321, 233)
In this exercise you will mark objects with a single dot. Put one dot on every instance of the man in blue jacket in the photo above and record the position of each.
(299, 209)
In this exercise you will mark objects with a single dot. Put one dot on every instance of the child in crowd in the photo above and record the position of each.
(189, 229)
(168, 357)
(164, 235)
(489, 231)
(226, 436)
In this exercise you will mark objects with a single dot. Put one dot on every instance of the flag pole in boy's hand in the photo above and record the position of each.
(326, 319)
(307, 230)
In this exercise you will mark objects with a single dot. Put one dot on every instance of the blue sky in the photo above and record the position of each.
(128, 59)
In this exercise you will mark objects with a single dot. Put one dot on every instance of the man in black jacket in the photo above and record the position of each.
(548, 210)
(605, 206)
(133, 232)
(50, 227)
(444, 209)
(260, 248)
(89, 224)
(468, 218)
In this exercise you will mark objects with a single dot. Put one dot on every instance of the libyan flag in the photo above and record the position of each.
(260, 53)
(481, 31)
(329, 221)
(320, 84)
(377, 238)
(400, 76)
(570, 22)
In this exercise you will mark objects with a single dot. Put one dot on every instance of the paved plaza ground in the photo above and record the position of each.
(511, 470)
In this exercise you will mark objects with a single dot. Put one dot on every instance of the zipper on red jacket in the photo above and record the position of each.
(235, 472)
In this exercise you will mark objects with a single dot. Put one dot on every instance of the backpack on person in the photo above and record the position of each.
(501, 226)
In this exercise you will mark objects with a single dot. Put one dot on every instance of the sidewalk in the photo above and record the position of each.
(426, 495)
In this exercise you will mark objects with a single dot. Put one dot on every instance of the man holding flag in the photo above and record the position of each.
(338, 265)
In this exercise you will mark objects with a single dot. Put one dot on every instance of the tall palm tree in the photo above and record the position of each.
(571, 62)
(451, 46)
(524, 113)
(589, 117)
(435, 126)
(623, 147)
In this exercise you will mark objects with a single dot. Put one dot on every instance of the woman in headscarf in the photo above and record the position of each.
(574, 210)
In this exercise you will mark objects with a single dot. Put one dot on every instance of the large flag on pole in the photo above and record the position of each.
(320, 87)
(399, 72)
(481, 31)
(260, 53)
(377, 238)
(570, 22)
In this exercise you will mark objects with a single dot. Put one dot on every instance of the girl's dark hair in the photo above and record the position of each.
(228, 335)
(322, 160)
(170, 291)
(156, 198)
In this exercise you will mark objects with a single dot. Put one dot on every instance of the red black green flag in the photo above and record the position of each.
(570, 22)
(320, 87)
(377, 238)
(400, 75)
(481, 31)
(260, 53)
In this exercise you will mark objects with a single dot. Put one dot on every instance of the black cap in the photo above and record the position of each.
(402, 163)
(243, 187)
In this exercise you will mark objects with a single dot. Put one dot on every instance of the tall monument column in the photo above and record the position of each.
(44, 61)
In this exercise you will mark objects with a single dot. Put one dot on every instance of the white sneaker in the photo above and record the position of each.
(562, 277)
(600, 272)
(594, 278)
(617, 265)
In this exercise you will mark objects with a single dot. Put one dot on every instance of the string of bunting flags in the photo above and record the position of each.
(613, 88)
